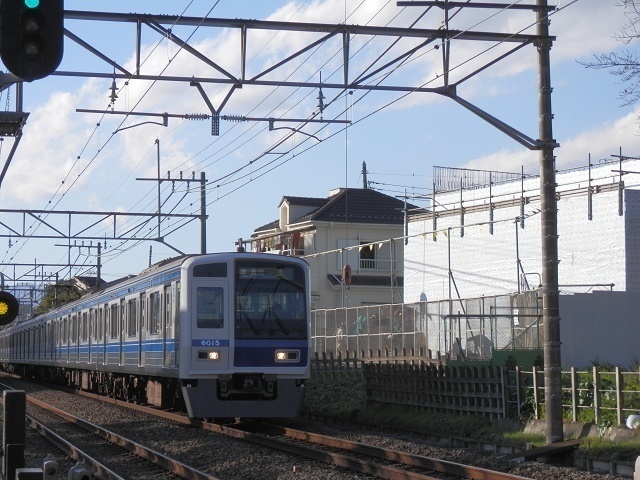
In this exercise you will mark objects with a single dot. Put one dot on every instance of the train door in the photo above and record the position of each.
(121, 338)
(83, 337)
(153, 352)
(66, 337)
(170, 315)
(113, 354)
(100, 339)
(142, 330)
(91, 341)
(210, 325)
(37, 343)
(73, 340)
(95, 335)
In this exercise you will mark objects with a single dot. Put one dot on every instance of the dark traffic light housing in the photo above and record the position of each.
(31, 36)
(9, 306)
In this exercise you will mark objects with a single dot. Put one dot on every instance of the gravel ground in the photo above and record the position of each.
(217, 455)
(228, 459)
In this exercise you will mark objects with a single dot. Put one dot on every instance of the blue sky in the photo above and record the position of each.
(65, 161)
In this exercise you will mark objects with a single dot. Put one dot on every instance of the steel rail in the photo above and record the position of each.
(171, 465)
(293, 444)
(420, 461)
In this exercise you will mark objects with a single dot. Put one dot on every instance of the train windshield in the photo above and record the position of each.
(270, 300)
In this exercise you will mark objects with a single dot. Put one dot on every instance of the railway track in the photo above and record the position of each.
(103, 453)
(362, 458)
(367, 460)
(356, 457)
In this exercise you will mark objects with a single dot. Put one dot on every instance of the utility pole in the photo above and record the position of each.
(203, 202)
(549, 227)
(365, 183)
(203, 214)
(88, 247)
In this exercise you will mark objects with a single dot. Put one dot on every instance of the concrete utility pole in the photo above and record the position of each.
(549, 240)
(365, 182)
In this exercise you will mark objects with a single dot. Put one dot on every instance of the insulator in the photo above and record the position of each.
(196, 116)
(234, 118)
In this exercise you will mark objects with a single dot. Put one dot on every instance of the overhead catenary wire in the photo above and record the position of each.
(277, 163)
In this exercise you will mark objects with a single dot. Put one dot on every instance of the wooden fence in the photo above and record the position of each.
(599, 396)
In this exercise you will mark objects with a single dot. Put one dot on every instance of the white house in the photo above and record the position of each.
(353, 227)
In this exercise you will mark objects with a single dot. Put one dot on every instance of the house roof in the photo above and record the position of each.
(361, 205)
(86, 282)
(353, 205)
(269, 226)
(306, 201)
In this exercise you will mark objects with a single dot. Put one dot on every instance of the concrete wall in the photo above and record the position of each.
(600, 327)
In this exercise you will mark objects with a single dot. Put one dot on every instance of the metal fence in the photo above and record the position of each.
(600, 395)
(454, 329)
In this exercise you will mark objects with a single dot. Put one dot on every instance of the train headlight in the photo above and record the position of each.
(209, 355)
(288, 356)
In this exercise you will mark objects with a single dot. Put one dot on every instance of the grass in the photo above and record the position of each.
(344, 397)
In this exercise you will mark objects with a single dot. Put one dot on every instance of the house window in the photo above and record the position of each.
(367, 256)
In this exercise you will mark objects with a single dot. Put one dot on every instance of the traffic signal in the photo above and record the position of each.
(9, 306)
(31, 36)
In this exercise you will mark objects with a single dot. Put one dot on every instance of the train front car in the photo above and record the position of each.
(248, 320)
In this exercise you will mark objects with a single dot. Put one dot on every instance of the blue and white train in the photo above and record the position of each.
(222, 335)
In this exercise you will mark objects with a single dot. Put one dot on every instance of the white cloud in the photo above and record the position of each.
(52, 140)
(601, 141)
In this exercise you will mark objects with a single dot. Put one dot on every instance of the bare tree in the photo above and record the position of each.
(626, 64)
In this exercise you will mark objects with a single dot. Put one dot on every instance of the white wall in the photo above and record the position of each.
(330, 236)
(604, 250)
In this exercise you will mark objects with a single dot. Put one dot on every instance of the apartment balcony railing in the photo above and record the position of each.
(379, 264)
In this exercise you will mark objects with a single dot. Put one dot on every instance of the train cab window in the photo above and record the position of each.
(210, 307)
(154, 313)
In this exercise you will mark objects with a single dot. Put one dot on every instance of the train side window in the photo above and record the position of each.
(210, 307)
(132, 317)
(114, 321)
(99, 324)
(154, 313)
(144, 322)
(85, 327)
(74, 329)
(92, 324)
